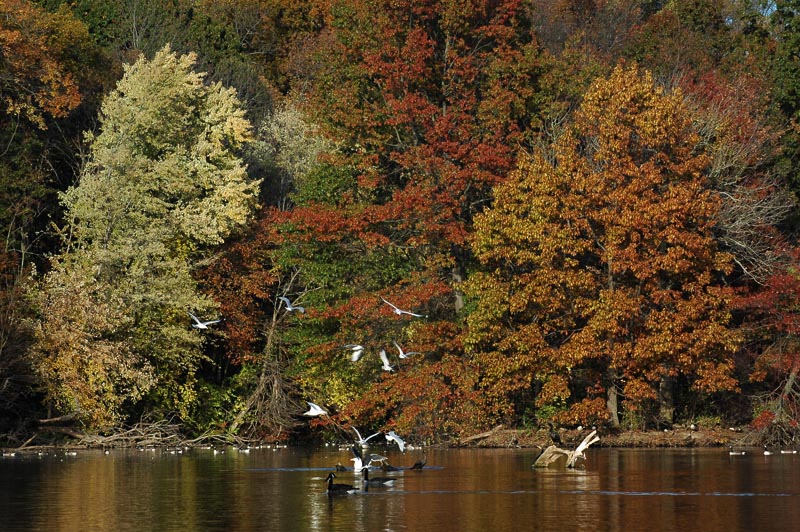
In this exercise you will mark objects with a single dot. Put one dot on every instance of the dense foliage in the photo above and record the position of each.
(570, 211)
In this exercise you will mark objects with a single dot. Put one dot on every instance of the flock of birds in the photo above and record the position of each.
(359, 466)
(767, 451)
(314, 410)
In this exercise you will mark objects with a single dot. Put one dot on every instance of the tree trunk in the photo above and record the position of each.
(457, 274)
(666, 401)
(612, 401)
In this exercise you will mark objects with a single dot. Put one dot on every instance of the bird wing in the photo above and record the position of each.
(195, 318)
(314, 410)
(372, 436)
(385, 359)
(412, 314)
(357, 350)
(358, 435)
(285, 300)
(394, 307)
(211, 322)
(409, 353)
(392, 436)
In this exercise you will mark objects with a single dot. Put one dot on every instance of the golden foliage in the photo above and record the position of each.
(83, 363)
(35, 81)
(604, 254)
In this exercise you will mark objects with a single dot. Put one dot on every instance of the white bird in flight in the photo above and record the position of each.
(403, 354)
(290, 307)
(357, 350)
(392, 436)
(363, 441)
(314, 410)
(400, 312)
(199, 324)
(385, 360)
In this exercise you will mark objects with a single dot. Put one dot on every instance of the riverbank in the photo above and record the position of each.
(162, 435)
(675, 437)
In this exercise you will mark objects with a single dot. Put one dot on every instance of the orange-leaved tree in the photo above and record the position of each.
(600, 270)
(429, 101)
(771, 321)
(35, 82)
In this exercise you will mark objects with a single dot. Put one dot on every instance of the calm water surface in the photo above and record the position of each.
(460, 490)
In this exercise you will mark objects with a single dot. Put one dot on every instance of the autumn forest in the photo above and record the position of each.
(581, 212)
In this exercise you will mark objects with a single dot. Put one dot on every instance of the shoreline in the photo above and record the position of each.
(677, 437)
(498, 437)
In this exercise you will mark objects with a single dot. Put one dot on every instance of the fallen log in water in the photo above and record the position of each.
(555, 457)
(481, 436)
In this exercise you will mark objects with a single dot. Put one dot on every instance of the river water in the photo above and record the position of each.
(459, 490)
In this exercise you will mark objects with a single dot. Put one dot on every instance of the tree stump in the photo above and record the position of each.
(555, 457)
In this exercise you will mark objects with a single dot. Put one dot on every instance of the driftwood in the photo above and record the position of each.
(72, 416)
(481, 436)
(143, 434)
(555, 457)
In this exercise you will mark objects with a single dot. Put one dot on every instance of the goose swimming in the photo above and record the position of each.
(382, 481)
(338, 489)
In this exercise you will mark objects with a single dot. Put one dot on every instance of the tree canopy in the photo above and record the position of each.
(162, 187)
(571, 211)
(603, 275)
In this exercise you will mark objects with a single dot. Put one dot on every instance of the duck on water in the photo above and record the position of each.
(376, 481)
(339, 489)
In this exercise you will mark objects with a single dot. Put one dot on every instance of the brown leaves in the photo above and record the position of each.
(606, 256)
(35, 81)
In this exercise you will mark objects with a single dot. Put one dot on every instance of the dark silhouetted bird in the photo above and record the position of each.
(376, 481)
(419, 464)
(554, 434)
(338, 489)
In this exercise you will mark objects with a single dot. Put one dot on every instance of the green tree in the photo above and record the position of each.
(163, 187)
(49, 83)
(428, 102)
(601, 265)
(785, 26)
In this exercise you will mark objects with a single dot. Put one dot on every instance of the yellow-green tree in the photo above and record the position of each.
(164, 185)
(600, 270)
